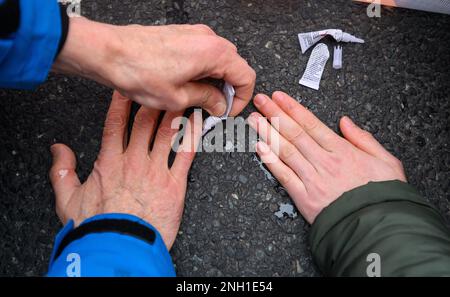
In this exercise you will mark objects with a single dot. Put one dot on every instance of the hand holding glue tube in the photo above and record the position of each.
(309, 39)
(212, 121)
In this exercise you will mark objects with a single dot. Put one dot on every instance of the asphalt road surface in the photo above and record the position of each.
(395, 85)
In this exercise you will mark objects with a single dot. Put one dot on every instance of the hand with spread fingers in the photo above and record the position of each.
(127, 177)
(313, 163)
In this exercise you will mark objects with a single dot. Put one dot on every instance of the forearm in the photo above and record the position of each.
(389, 219)
(110, 245)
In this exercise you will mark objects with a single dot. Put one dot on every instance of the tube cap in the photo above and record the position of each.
(337, 57)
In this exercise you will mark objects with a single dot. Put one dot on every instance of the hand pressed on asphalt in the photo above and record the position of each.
(314, 164)
(127, 177)
(158, 66)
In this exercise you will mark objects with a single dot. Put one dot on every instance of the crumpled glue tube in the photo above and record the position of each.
(212, 121)
(316, 64)
(309, 39)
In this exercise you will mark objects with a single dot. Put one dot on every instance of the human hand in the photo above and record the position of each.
(314, 164)
(128, 178)
(158, 66)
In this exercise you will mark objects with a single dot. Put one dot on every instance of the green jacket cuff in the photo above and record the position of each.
(390, 219)
(359, 198)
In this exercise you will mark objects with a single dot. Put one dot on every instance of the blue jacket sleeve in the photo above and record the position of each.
(27, 55)
(111, 253)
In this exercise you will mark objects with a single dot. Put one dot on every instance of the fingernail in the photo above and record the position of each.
(63, 173)
(278, 95)
(259, 99)
(349, 121)
(219, 109)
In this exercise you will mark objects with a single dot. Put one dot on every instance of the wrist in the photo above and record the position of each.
(89, 48)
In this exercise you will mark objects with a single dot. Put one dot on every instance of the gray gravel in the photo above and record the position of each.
(396, 86)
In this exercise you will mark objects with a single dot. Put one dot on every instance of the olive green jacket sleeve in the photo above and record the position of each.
(389, 220)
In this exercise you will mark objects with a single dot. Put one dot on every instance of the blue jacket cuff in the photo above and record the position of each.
(111, 253)
(27, 55)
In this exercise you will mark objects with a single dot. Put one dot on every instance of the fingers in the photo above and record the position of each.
(287, 178)
(142, 132)
(290, 130)
(114, 132)
(206, 96)
(63, 177)
(232, 68)
(165, 136)
(285, 151)
(242, 77)
(218, 58)
(307, 120)
(186, 151)
(364, 140)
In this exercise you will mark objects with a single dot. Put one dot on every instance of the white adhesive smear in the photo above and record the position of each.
(212, 121)
(267, 173)
(316, 64)
(63, 173)
(288, 209)
(309, 39)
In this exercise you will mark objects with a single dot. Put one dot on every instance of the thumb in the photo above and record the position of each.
(364, 140)
(63, 177)
(206, 96)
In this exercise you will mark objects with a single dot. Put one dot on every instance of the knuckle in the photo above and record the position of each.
(287, 152)
(217, 45)
(311, 125)
(250, 77)
(207, 94)
(285, 178)
(114, 120)
(221, 48)
(204, 28)
(297, 137)
(224, 43)
(142, 118)
(166, 132)
(232, 46)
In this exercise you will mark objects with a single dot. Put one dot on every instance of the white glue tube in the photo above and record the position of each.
(316, 64)
(309, 39)
(212, 121)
